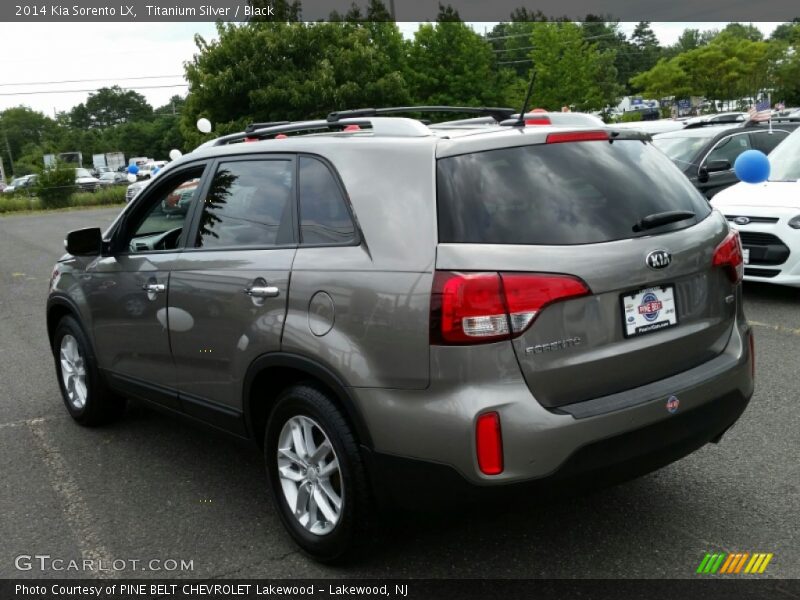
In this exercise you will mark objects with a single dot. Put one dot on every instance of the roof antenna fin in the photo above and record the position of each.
(521, 120)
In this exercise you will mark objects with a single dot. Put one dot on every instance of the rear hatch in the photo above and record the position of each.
(610, 268)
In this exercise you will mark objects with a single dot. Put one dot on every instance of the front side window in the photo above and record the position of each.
(249, 203)
(324, 218)
(165, 215)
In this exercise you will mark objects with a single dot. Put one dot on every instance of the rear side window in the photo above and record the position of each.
(249, 203)
(324, 218)
(560, 194)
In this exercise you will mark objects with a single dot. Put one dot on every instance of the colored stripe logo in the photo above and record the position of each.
(734, 563)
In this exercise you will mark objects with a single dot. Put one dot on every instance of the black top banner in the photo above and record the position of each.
(402, 10)
(411, 589)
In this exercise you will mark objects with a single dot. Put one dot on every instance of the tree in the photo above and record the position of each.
(664, 80)
(648, 50)
(110, 106)
(569, 70)
(270, 71)
(448, 63)
(19, 127)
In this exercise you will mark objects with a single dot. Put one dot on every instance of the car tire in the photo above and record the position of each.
(85, 394)
(311, 517)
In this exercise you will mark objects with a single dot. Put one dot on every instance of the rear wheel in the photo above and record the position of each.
(87, 398)
(316, 474)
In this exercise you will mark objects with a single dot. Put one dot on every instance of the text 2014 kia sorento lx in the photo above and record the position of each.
(385, 305)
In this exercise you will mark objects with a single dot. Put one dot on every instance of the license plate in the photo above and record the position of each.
(746, 255)
(650, 309)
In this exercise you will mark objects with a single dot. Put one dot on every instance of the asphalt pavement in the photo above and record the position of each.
(152, 487)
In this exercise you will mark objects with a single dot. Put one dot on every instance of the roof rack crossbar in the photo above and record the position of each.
(497, 112)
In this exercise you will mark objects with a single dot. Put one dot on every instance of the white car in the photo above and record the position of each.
(767, 216)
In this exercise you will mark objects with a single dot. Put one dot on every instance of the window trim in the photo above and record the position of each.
(121, 231)
(358, 237)
(198, 209)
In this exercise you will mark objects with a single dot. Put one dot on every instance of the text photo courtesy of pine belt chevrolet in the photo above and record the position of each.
(397, 311)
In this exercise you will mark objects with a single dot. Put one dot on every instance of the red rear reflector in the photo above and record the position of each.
(728, 255)
(473, 308)
(577, 136)
(489, 444)
(352, 128)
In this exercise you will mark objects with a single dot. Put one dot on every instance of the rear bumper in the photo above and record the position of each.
(414, 483)
(431, 431)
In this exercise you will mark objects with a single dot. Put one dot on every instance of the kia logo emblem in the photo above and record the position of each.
(741, 220)
(658, 259)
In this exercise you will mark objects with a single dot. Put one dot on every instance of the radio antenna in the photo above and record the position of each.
(521, 120)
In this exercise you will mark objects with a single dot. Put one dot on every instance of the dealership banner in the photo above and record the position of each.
(402, 10)
(397, 589)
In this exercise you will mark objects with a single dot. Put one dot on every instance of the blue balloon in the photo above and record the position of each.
(133, 169)
(752, 166)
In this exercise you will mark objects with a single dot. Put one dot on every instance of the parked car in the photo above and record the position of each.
(111, 178)
(719, 118)
(397, 312)
(134, 189)
(20, 183)
(706, 152)
(85, 182)
(767, 216)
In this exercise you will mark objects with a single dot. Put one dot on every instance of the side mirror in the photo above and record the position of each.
(85, 242)
(718, 165)
(702, 174)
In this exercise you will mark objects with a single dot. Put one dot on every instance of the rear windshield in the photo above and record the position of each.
(560, 194)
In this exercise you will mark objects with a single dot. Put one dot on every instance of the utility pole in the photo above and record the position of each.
(8, 149)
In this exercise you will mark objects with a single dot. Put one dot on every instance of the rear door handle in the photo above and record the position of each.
(262, 291)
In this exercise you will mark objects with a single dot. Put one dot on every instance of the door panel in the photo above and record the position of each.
(216, 327)
(130, 323)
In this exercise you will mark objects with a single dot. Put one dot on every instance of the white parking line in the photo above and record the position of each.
(79, 519)
(779, 328)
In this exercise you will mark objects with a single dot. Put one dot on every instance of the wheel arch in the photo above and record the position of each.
(271, 373)
(59, 307)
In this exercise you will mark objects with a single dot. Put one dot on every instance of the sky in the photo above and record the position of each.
(35, 56)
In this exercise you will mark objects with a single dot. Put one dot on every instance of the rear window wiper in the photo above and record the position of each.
(662, 218)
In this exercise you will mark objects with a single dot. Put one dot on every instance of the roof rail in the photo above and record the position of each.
(383, 127)
(253, 126)
(496, 112)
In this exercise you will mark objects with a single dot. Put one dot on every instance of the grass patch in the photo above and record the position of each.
(104, 197)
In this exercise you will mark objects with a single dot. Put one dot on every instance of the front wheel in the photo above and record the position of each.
(316, 474)
(83, 390)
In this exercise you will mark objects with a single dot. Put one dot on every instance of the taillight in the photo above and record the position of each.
(728, 255)
(473, 308)
(577, 136)
(489, 443)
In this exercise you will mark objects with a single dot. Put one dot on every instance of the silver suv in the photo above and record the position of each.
(397, 311)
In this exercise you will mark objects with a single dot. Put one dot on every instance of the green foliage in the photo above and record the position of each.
(269, 71)
(55, 186)
(570, 71)
(631, 116)
(110, 106)
(112, 196)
